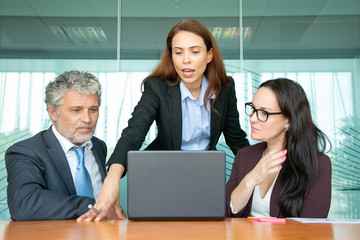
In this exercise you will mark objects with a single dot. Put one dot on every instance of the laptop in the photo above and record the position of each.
(176, 185)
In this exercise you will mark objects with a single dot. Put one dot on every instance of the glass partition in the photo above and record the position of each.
(316, 43)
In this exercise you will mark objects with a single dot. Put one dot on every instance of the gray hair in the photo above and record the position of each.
(82, 82)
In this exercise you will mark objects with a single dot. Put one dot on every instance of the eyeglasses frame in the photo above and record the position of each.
(256, 111)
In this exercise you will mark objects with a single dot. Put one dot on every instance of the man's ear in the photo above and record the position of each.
(52, 113)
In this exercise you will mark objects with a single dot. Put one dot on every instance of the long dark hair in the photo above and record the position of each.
(304, 142)
(215, 71)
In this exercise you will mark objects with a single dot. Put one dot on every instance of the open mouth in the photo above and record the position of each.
(188, 72)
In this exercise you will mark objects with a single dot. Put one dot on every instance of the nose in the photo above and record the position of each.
(85, 117)
(186, 58)
(253, 118)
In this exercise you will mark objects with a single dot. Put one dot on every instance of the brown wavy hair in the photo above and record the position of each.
(215, 70)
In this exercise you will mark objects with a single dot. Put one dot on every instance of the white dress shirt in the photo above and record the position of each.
(90, 162)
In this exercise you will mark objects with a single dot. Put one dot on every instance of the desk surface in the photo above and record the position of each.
(228, 229)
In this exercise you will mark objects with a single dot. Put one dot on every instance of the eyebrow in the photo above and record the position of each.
(196, 46)
(82, 106)
(261, 108)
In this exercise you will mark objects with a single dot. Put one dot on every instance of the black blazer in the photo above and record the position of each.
(162, 103)
(40, 185)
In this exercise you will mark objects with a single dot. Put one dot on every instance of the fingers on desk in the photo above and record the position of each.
(120, 213)
(90, 216)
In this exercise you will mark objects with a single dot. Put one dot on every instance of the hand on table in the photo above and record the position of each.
(108, 202)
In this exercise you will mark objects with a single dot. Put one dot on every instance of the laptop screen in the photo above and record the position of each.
(176, 185)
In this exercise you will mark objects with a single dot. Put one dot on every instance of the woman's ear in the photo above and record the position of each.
(210, 55)
(287, 126)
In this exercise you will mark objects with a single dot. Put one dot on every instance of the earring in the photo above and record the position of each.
(286, 128)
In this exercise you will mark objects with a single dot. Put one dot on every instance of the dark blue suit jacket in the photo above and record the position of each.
(40, 185)
(162, 103)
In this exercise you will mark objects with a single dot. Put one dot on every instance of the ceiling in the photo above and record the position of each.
(87, 29)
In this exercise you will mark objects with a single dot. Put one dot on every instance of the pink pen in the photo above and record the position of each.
(271, 220)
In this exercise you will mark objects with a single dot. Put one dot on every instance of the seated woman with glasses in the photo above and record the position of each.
(287, 174)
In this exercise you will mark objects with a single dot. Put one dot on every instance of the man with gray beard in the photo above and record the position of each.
(58, 173)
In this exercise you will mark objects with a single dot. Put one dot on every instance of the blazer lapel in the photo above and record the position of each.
(58, 157)
(175, 115)
(274, 199)
(215, 121)
(96, 150)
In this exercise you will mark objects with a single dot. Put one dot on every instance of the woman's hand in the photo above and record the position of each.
(108, 202)
(269, 164)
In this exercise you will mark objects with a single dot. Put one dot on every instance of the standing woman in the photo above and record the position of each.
(287, 174)
(192, 101)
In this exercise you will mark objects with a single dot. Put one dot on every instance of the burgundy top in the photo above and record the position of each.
(316, 204)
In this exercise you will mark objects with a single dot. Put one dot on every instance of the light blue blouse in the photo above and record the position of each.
(195, 119)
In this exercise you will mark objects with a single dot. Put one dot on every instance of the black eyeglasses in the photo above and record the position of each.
(262, 115)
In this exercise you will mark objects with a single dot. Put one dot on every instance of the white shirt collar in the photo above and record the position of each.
(66, 144)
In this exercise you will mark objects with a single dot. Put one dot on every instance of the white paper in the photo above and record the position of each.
(325, 220)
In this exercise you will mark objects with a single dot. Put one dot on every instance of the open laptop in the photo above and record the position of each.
(176, 185)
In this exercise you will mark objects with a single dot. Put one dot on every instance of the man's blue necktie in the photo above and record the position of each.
(83, 184)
